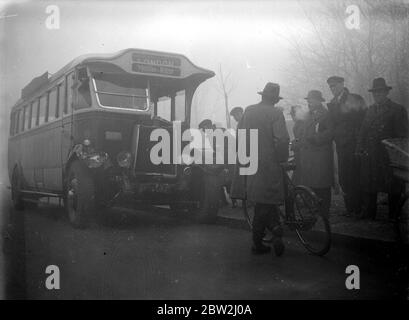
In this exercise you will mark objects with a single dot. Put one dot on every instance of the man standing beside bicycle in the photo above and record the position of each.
(314, 148)
(265, 188)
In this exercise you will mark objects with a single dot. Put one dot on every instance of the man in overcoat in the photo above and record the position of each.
(265, 187)
(316, 163)
(345, 141)
(385, 119)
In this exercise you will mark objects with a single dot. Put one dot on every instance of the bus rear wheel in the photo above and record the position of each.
(16, 194)
(79, 195)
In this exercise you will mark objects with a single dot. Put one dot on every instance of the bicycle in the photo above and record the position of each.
(302, 214)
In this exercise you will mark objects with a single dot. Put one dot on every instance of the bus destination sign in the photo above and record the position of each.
(146, 63)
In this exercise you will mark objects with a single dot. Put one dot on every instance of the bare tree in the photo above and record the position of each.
(225, 87)
(379, 47)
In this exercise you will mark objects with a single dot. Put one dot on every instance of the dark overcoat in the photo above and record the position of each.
(316, 163)
(266, 185)
(340, 121)
(382, 121)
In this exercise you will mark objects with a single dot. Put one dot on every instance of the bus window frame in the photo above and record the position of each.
(68, 109)
(17, 126)
(47, 106)
(12, 123)
(55, 88)
(95, 93)
(182, 93)
(28, 115)
(60, 108)
(45, 94)
(21, 129)
(37, 100)
(164, 103)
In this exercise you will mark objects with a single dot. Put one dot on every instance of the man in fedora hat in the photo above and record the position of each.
(316, 165)
(265, 187)
(384, 119)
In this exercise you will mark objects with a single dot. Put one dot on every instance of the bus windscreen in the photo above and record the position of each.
(121, 91)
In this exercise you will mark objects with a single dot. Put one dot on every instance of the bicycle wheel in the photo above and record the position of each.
(311, 226)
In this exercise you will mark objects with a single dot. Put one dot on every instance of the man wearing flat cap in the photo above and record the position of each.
(384, 119)
(265, 187)
(344, 129)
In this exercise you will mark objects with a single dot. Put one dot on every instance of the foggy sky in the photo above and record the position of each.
(244, 37)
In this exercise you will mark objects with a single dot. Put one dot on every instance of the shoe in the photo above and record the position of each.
(260, 249)
(278, 247)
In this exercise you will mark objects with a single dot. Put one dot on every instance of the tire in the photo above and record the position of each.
(79, 194)
(16, 194)
(309, 222)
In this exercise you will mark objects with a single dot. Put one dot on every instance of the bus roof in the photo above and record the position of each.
(137, 61)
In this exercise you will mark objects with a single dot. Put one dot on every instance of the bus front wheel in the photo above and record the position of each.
(79, 194)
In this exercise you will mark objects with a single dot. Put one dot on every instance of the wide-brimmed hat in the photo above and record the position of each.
(334, 80)
(379, 84)
(271, 90)
(315, 94)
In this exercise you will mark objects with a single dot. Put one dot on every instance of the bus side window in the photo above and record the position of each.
(12, 123)
(42, 109)
(35, 113)
(17, 115)
(84, 95)
(69, 93)
(21, 121)
(30, 116)
(180, 109)
(83, 98)
(163, 108)
(61, 99)
(27, 117)
(52, 104)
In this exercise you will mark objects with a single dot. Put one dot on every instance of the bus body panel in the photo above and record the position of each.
(38, 155)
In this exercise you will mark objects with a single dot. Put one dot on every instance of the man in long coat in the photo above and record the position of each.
(316, 163)
(345, 141)
(385, 119)
(265, 187)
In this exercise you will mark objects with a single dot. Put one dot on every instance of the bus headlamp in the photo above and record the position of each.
(124, 159)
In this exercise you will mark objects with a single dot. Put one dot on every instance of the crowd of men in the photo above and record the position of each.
(337, 143)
